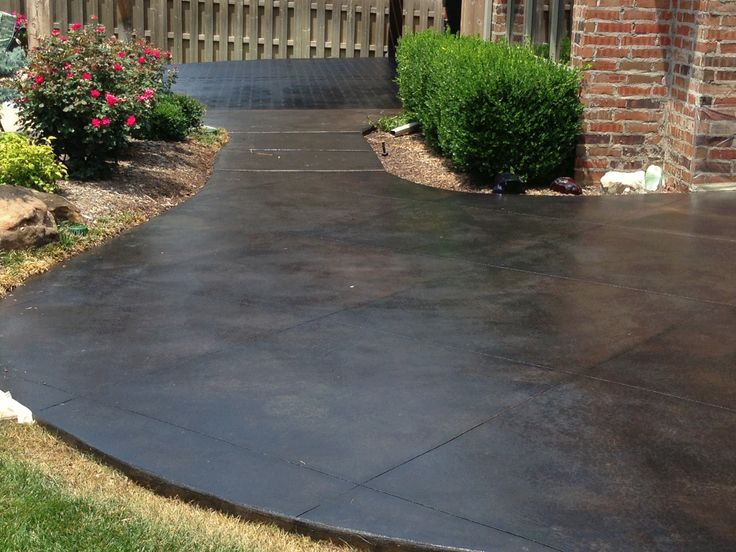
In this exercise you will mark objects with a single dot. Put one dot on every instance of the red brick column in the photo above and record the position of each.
(660, 87)
(701, 128)
(624, 47)
(500, 11)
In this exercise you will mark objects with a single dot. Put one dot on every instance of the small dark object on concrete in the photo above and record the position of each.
(565, 185)
(384, 153)
(507, 183)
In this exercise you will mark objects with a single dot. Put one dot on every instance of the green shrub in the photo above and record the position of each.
(23, 163)
(173, 118)
(89, 92)
(491, 107)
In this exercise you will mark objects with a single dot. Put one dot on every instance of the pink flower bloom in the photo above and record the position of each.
(63, 38)
(86, 76)
(105, 121)
(142, 59)
(94, 93)
(130, 121)
(39, 79)
(156, 54)
(167, 54)
(121, 54)
(110, 99)
(117, 67)
(96, 122)
(55, 32)
(66, 65)
(75, 26)
(70, 75)
(93, 17)
(100, 29)
(147, 95)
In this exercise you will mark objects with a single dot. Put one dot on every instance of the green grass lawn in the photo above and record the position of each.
(54, 498)
(39, 515)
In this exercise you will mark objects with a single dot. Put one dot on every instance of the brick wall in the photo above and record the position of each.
(660, 87)
(500, 12)
(701, 128)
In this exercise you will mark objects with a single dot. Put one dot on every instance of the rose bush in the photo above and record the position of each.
(90, 92)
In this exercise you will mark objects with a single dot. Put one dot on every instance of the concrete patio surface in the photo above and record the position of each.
(312, 341)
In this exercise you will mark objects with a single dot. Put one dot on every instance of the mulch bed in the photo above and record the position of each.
(410, 158)
(150, 178)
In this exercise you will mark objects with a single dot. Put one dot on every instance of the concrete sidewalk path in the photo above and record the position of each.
(312, 341)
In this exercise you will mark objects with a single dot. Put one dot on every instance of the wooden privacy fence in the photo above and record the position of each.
(218, 30)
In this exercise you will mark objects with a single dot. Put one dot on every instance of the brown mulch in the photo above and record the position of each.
(152, 177)
(409, 157)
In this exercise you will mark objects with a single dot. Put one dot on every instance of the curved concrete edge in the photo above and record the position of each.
(318, 531)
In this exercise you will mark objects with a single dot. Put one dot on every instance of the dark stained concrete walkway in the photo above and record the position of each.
(316, 341)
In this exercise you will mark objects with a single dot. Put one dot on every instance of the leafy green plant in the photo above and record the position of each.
(10, 63)
(89, 92)
(23, 163)
(491, 107)
(390, 122)
(173, 118)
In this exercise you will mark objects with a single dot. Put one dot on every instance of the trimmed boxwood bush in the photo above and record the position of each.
(173, 117)
(491, 107)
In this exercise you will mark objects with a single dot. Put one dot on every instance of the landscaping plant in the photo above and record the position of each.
(23, 163)
(11, 61)
(173, 118)
(491, 107)
(89, 92)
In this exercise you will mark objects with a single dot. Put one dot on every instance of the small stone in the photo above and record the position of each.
(507, 183)
(616, 182)
(565, 185)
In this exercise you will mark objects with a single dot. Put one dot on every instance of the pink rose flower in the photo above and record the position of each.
(39, 79)
(75, 26)
(130, 121)
(110, 99)
(121, 54)
(141, 59)
(96, 122)
(86, 76)
(70, 75)
(117, 67)
(55, 32)
(105, 121)
(94, 93)
(100, 29)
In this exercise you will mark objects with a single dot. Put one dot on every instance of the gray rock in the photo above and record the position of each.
(25, 221)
